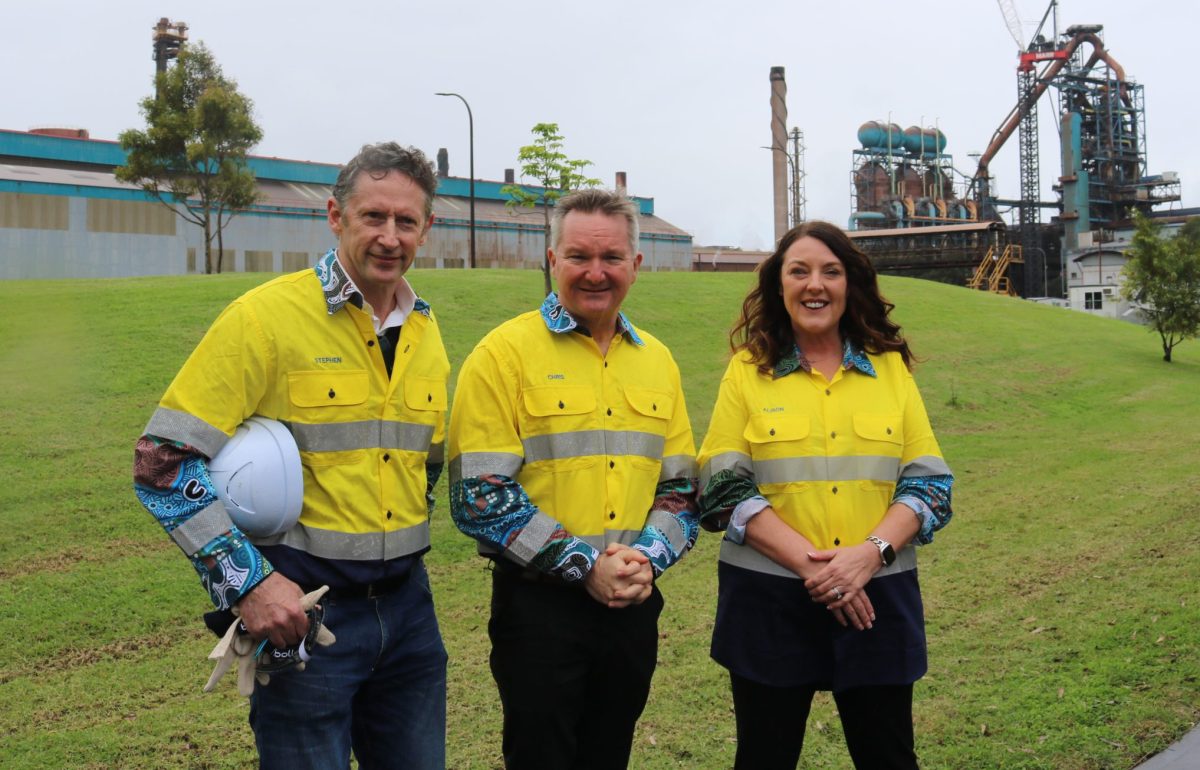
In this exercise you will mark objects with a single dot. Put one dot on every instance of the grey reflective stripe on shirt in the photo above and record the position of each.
(926, 465)
(599, 542)
(678, 467)
(622, 536)
(669, 526)
(437, 453)
(535, 534)
(747, 557)
(353, 546)
(739, 462)
(363, 434)
(174, 425)
(202, 528)
(822, 468)
(471, 465)
(587, 443)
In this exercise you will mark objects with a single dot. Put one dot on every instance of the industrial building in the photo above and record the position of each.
(63, 214)
(915, 215)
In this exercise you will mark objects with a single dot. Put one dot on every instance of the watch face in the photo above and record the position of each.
(889, 555)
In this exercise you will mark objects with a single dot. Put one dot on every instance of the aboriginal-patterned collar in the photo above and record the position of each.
(339, 289)
(852, 358)
(560, 321)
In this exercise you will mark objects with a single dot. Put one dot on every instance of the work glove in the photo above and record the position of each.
(257, 660)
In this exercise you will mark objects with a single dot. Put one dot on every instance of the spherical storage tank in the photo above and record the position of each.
(913, 140)
(871, 135)
(932, 141)
(874, 135)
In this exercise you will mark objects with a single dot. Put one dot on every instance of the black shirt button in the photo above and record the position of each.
(827, 391)
(833, 434)
(561, 405)
(611, 464)
(389, 514)
(610, 413)
(889, 430)
(331, 393)
(837, 541)
(431, 398)
(835, 490)
(370, 343)
(387, 457)
(612, 514)
(772, 431)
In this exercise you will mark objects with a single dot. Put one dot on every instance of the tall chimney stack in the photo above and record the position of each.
(443, 163)
(621, 185)
(509, 176)
(779, 150)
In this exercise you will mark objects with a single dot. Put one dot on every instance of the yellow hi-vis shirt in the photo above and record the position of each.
(826, 454)
(364, 438)
(588, 436)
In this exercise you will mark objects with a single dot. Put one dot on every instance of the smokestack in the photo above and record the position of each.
(443, 163)
(509, 177)
(621, 186)
(779, 150)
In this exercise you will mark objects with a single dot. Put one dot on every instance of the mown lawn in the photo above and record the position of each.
(1062, 601)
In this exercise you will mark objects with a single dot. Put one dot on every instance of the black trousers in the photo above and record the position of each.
(573, 674)
(877, 723)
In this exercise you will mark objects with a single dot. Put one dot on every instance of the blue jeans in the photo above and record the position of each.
(379, 690)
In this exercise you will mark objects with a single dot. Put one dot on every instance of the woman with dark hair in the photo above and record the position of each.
(822, 469)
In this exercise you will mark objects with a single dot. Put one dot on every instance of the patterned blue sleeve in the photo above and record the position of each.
(929, 497)
(672, 526)
(171, 480)
(495, 510)
(433, 471)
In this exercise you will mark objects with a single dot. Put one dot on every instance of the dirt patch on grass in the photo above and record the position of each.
(69, 558)
(75, 657)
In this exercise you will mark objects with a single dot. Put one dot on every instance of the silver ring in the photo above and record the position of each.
(837, 593)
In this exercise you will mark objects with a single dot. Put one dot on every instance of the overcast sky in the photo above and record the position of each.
(674, 93)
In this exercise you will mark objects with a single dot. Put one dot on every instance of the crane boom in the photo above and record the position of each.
(1009, 10)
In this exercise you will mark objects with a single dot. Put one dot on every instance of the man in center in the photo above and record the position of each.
(573, 466)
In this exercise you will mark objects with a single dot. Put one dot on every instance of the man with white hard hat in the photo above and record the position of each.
(349, 359)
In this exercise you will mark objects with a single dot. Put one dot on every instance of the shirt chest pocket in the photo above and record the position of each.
(322, 403)
(878, 445)
(650, 413)
(317, 390)
(878, 430)
(651, 409)
(776, 435)
(548, 403)
(425, 395)
(557, 427)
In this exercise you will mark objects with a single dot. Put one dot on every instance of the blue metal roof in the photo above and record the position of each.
(108, 153)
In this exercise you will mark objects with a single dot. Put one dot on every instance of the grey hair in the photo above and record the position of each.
(596, 201)
(377, 160)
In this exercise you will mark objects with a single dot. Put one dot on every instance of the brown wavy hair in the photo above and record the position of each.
(764, 327)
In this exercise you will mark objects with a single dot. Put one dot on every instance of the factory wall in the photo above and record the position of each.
(116, 233)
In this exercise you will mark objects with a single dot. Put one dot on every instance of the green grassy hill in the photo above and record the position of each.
(1063, 600)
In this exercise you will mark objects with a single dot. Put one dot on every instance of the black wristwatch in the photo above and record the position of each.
(887, 554)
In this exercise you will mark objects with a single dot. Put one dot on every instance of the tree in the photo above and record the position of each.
(1162, 277)
(192, 155)
(546, 163)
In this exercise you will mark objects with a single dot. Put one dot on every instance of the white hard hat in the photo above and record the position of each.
(258, 478)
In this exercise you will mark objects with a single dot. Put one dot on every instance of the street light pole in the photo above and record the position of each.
(471, 135)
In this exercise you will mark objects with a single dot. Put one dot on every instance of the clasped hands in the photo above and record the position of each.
(621, 576)
(839, 581)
